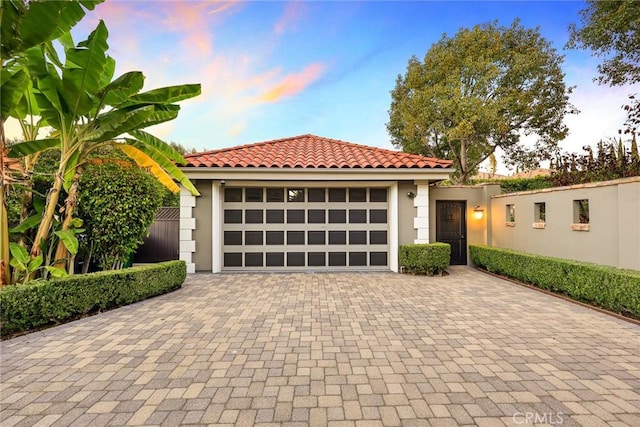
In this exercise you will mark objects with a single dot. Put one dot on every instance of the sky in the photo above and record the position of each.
(272, 69)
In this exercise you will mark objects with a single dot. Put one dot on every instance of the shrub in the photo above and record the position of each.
(513, 185)
(430, 258)
(611, 288)
(42, 303)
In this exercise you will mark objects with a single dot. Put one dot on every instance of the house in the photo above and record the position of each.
(308, 203)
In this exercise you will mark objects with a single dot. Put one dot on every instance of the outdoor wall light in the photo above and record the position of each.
(478, 212)
(411, 194)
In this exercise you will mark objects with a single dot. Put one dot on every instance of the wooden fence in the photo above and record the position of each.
(163, 241)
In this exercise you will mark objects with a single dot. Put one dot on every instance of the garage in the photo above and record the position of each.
(305, 227)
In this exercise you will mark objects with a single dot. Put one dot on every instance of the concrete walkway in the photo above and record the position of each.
(330, 349)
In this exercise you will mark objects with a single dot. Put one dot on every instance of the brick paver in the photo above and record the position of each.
(330, 349)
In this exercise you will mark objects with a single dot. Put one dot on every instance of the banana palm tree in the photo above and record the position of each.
(87, 110)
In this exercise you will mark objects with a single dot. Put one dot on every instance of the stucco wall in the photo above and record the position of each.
(613, 237)
(406, 212)
(202, 233)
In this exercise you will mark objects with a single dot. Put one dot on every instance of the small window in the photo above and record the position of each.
(275, 216)
(357, 195)
(316, 216)
(233, 259)
(316, 194)
(378, 237)
(316, 259)
(253, 194)
(337, 237)
(511, 213)
(337, 216)
(540, 212)
(295, 216)
(253, 259)
(581, 211)
(253, 237)
(337, 259)
(378, 195)
(357, 237)
(357, 216)
(378, 216)
(295, 259)
(253, 216)
(233, 237)
(233, 194)
(316, 237)
(377, 258)
(233, 216)
(275, 237)
(357, 258)
(295, 237)
(275, 195)
(337, 194)
(295, 195)
(275, 259)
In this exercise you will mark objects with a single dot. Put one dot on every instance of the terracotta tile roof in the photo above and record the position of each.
(310, 151)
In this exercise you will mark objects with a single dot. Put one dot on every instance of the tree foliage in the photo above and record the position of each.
(117, 204)
(480, 90)
(611, 160)
(611, 29)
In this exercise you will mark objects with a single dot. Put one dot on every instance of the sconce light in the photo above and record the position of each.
(478, 212)
(411, 194)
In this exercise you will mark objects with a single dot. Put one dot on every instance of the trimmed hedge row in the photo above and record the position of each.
(429, 258)
(611, 288)
(38, 304)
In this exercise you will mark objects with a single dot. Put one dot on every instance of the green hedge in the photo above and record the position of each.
(611, 288)
(32, 306)
(430, 258)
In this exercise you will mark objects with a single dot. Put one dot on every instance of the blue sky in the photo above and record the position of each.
(274, 69)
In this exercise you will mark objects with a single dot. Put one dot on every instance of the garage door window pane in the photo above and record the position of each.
(233, 237)
(253, 237)
(233, 216)
(357, 195)
(337, 216)
(316, 238)
(275, 216)
(275, 237)
(378, 216)
(233, 194)
(357, 237)
(337, 259)
(337, 194)
(378, 195)
(253, 194)
(253, 259)
(377, 258)
(316, 259)
(337, 237)
(275, 194)
(233, 259)
(316, 194)
(295, 216)
(253, 216)
(316, 216)
(357, 216)
(295, 237)
(295, 259)
(377, 237)
(295, 195)
(357, 258)
(275, 259)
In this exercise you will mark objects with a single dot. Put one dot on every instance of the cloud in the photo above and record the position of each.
(293, 13)
(293, 83)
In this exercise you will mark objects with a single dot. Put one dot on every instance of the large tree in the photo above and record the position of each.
(612, 30)
(480, 90)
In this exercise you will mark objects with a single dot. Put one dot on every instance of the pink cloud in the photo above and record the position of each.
(293, 83)
(293, 13)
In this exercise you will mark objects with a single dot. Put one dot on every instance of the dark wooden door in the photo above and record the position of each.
(451, 227)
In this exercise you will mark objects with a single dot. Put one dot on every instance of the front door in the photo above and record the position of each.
(451, 227)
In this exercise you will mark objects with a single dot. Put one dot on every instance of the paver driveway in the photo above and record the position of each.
(337, 349)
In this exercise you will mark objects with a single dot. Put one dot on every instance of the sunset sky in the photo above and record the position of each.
(276, 69)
